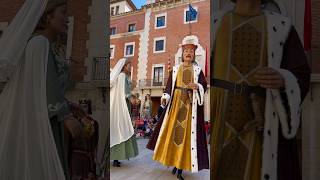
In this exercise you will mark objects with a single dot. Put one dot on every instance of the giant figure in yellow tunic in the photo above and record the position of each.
(179, 138)
(260, 76)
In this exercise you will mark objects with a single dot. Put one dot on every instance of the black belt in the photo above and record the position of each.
(238, 88)
(183, 89)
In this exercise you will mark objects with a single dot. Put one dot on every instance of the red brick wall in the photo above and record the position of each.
(8, 9)
(119, 52)
(79, 9)
(122, 23)
(175, 31)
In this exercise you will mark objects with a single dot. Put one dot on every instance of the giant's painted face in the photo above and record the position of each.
(57, 20)
(128, 67)
(188, 54)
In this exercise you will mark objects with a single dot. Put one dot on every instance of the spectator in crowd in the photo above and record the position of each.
(161, 108)
(147, 107)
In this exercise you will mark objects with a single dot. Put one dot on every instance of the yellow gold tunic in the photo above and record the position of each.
(174, 145)
(239, 51)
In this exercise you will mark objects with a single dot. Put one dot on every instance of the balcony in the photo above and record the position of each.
(100, 71)
(151, 83)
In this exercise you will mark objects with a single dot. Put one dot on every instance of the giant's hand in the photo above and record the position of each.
(193, 86)
(269, 78)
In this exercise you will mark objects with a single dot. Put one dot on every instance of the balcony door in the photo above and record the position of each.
(157, 76)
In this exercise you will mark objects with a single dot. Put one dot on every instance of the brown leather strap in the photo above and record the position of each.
(183, 89)
(235, 88)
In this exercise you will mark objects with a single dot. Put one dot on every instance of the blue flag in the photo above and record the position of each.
(192, 13)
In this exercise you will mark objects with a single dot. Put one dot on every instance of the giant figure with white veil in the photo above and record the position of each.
(123, 144)
(33, 110)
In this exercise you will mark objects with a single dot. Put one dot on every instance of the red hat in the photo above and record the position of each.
(189, 46)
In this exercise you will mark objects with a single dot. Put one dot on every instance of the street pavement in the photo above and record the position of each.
(143, 167)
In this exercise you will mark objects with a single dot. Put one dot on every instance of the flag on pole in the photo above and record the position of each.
(307, 26)
(192, 14)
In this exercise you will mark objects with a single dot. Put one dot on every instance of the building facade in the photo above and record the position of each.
(152, 36)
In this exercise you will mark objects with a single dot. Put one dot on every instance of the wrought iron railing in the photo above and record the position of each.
(147, 83)
(100, 68)
(143, 83)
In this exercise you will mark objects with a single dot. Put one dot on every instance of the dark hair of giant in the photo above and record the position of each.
(42, 24)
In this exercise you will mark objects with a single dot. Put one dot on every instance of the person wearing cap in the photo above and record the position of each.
(260, 76)
(179, 139)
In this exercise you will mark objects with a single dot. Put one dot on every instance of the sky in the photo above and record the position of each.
(139, 3)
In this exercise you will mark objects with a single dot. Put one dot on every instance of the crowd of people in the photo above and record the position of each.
(142, 119)
(144, 122)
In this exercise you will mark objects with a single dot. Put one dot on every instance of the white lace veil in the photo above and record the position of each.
(117, 70)
(27, 147)
(15, 37)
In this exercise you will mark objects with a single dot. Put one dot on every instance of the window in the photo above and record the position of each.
(1, 33)
(112, 50)
(129, 49)
(189, 17)
(113, 31)
(159, 45)
(117, 10)
(112, 11)
(158, 75)
(161, 21)
(132, 27)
